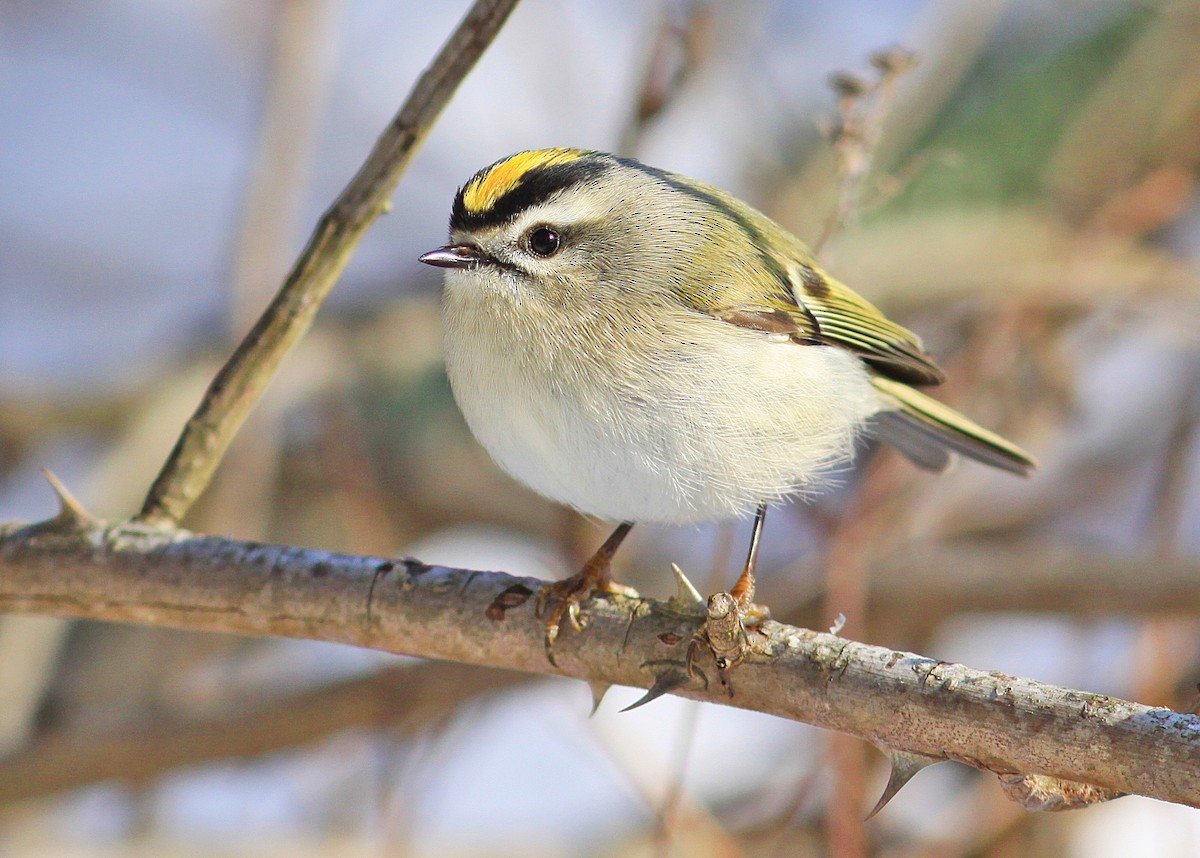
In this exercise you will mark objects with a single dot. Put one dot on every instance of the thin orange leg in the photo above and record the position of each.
(743, 589)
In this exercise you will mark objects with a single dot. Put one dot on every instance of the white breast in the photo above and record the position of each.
(627, 424)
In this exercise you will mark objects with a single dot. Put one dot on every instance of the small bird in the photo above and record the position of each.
(641, 346)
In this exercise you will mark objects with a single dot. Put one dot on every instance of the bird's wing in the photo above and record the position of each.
(845, 318)
(794, 295)
(814, 308)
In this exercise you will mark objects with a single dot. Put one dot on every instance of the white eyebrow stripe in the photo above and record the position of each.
(564, 210)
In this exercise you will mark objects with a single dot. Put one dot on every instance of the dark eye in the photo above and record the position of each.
(544, 241)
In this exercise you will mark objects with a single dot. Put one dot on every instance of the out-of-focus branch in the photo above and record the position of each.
(237, 387)
(682, 43)
(408, 699)
(867, 522)
(897, 700)
(915, 587)
(862, 105)
(1033, 576)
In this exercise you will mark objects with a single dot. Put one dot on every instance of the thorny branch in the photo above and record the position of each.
(903, 703)
(239, 384)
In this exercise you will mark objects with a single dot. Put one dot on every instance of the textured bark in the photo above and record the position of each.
(897, 700)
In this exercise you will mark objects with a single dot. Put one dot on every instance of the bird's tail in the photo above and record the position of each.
(927, 432)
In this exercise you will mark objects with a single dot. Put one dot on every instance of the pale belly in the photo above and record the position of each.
(704, 430)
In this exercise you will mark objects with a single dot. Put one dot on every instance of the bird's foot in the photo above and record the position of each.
(725, 633)
(563, 599)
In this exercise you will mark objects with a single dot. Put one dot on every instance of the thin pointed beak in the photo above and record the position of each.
(453, 256)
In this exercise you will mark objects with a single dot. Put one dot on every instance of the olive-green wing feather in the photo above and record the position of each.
(792, 286)
(846, 319)
(841, 318)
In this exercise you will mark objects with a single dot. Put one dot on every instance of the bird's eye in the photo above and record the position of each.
(544, 241)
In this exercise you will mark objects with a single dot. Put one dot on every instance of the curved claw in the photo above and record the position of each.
(548, 643)
(565, 599)
(596, 575)
(565, 596)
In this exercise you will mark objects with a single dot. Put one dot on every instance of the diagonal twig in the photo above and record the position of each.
(237, 387)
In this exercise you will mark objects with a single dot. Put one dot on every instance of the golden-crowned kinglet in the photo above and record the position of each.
(645, 347)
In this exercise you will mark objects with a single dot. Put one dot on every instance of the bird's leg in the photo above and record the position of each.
(596, 576)
(723, 632)
(743, 589)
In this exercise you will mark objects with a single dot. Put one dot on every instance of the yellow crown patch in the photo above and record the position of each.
(482, 192)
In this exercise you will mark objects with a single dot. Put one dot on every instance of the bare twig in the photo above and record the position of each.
(236, 388)
(683, 40)
(862, 105)
(896, 700)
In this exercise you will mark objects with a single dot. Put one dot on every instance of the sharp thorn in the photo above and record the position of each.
(904, 766)
(665, 682)
(70, 510)
(687, 599)
(599, 689)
